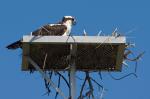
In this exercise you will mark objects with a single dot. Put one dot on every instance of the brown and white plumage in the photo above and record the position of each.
(63, 28)
(50, 29)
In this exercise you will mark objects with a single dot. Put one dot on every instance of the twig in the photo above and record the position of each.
(122, 77)
(96, 82)
(46, 83)
(58, 87)
(50, 74)
(44, 61)
(79, 78)
(64, 79)
(90, 85)
(47, 87)
(100, 75)
(81, 91)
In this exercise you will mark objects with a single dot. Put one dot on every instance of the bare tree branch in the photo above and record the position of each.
(90, 85)
(81, 91)
(63, 79)
(58, 87)
(96, 82)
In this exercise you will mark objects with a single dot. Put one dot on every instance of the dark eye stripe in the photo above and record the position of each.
(65, 19)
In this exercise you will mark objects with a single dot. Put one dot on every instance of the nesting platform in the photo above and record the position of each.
(93, 53)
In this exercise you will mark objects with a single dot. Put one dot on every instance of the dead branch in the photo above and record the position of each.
(90, 92)
(100, 86)
(58, 87)
(100, 75)
(81, 91)
(47, 87)
(46, 83)
(122, 77)
(63, 79)
(79, 78)
(44, 61)
(134, 59)
(50, 74)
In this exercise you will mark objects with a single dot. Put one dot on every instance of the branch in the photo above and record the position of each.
(90, 85)
(96, 82)
(123, 76)
(63, 79)
(81, 91)
(44, 61)
(100, 75)
(47, 87)
(58, 87)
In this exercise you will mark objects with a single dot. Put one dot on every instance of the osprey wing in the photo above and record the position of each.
(50, 29)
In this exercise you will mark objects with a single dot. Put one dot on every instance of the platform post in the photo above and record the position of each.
(73, 48)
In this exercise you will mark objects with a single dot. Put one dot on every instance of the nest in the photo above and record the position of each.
(88, 57)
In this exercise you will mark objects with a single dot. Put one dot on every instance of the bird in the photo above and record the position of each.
(62, 28)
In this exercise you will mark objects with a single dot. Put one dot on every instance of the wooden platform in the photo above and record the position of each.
(94, 53)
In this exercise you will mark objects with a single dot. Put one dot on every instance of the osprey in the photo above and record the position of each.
(63, 28)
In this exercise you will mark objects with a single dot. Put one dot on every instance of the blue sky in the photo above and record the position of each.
(18, 17)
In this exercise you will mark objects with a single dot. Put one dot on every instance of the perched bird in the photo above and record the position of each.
(63, 28)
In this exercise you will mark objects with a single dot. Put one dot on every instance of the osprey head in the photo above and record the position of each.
(69, 20)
